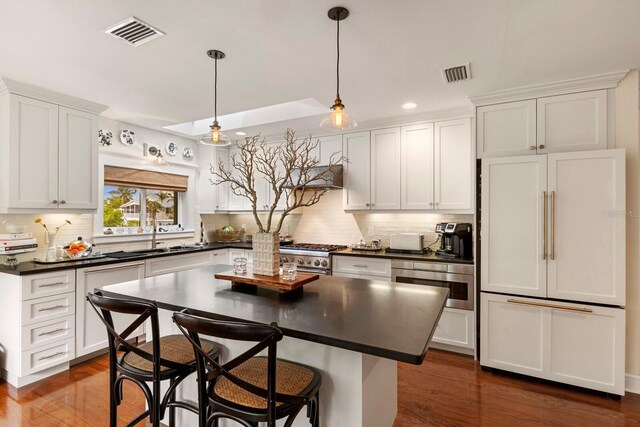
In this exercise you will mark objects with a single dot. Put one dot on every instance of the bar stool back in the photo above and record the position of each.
(163, 358)
(249, 388)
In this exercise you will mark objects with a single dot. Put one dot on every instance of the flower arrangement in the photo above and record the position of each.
(39, 221)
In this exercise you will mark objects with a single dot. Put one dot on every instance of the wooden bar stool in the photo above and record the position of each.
(249, 389)
(163, 358)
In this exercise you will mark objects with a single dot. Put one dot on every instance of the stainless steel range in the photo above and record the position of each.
(310, 257)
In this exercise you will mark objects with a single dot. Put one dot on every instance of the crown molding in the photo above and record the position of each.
(405, 120)
(581, 84)
(23, 89)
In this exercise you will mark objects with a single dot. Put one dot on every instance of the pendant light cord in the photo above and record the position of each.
(215, 91)
(338, 60)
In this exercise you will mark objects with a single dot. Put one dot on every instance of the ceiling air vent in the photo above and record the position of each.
(456, 73)
(134, 31)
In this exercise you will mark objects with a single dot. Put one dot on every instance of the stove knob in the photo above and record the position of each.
(316, 262)
(284, 259)
(300, 261)
(325, 263)
(308, 262)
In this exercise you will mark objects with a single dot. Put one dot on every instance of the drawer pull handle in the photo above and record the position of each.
(117, 267)
(53, 284)
(360, 266)
(55, 331)
(548, 305)
(54, 307)
(52, 355)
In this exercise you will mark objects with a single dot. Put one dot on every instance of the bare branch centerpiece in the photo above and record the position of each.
(293, 174)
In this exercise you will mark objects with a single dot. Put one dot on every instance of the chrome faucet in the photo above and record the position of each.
(154, 243)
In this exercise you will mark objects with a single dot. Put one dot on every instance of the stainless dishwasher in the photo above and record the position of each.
(458, 278)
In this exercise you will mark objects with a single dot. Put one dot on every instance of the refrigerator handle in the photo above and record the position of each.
(553, 225)
(544, 225)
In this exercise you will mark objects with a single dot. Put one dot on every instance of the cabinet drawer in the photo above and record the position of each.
(362, 265)
(455, 328)
(43, 358)
(41, 309)
(42, 285)
(170, 264)
(40, 334)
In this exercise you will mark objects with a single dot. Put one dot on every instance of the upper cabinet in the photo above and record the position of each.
(552, 124)
(49, 156)
(427, 166)
(48, 151)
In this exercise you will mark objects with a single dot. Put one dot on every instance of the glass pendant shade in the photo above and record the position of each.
(338, 119)
(215, 137)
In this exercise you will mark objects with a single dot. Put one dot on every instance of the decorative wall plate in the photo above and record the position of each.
(128, 137)
(188, 153)
(104, 139)
(172, 148)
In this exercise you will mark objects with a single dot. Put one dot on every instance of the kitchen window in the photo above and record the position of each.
(132, 197)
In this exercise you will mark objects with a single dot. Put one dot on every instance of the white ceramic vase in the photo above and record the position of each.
(266, 254)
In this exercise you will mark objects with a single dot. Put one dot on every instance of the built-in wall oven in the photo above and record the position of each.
(458, 278)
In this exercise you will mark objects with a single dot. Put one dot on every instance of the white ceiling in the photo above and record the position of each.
(284, 50)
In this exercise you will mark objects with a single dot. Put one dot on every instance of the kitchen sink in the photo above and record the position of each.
(143, 252)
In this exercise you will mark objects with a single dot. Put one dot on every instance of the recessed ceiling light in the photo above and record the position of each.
(409, 105)
(241, 133)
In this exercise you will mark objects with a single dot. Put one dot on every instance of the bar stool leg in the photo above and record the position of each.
(172, 410)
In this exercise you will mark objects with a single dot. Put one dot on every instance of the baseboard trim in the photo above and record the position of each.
(632, 383)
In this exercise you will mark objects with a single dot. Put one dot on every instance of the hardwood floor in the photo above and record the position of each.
(447, 390)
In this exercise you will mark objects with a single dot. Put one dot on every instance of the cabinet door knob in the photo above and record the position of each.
(430, 203)
(55, 202)
(62, 202)
(533, 147)
(541, 146)
(437, 203)
(367, 204)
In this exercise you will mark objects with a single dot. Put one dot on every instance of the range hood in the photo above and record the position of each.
(331, 178)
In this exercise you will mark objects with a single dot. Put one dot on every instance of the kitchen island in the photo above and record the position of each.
(353, 330)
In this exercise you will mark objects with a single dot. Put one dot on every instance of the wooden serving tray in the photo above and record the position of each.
(271, 282)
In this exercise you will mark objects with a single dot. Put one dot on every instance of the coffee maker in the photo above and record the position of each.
(455, 240)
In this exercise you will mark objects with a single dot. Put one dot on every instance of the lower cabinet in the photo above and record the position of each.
(456, 327)
(361, 267)
(91, 334)
(240, 253)
(577, 344)
(171, 264)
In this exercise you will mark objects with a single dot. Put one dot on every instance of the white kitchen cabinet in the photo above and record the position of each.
(330, 148)
(171, 264)
(453, 188)
(52, 157)
(562, 123)
(385, 169)
(571, 343)
(416, 171)
(207, 192)
(357, 171)
(240, 253)
(507, 129)
(586, 208)
(572, 122)
(542, 215)
(361, 266)
(91, 333)
(38, 317)
(456, 328)
(512, 240)
(220, 256)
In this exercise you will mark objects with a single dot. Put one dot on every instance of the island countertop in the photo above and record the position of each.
(384, 319)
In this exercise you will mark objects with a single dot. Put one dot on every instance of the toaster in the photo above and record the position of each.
(406, 241)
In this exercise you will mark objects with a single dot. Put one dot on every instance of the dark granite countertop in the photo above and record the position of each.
(382, 254)
(391, 320)
(30, 267)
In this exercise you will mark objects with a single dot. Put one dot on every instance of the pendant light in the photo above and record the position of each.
(338, 119)
(215, 136)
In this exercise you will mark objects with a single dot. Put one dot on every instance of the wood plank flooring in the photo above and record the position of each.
(447, 390)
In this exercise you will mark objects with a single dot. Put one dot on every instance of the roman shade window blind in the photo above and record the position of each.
(139, 178)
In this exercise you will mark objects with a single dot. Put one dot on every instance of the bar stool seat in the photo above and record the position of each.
(291, 378)
(175, 348)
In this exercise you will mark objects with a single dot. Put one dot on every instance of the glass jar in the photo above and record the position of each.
(239, 265)
(289, 270)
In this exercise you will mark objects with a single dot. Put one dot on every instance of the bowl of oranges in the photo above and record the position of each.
(78, 248)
